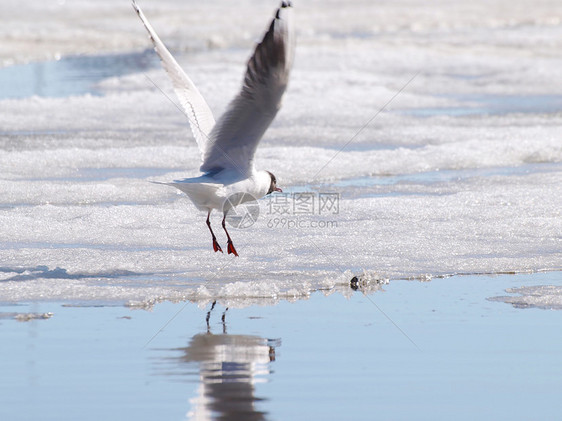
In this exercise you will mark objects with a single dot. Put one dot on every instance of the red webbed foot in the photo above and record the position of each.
(216, 246)
(231, 248)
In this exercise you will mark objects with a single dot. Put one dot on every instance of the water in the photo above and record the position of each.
(282, 362)
(496, 104)
(70, 75)
(432, 177)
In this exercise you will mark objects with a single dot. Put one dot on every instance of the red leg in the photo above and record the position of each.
(230, 247)
(216, 245)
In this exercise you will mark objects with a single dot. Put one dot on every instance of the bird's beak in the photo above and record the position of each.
(278, 189)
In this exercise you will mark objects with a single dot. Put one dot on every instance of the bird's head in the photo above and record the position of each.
(273, 185)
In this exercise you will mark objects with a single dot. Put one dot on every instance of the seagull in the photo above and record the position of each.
(228, 145)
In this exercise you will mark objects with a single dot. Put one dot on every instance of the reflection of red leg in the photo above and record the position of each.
(230, 247)
(216, 245)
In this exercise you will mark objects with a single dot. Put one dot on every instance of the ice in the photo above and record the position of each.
(538, 296)
(25, 317)
(438, 128)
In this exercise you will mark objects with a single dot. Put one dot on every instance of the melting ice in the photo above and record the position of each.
(457, 171)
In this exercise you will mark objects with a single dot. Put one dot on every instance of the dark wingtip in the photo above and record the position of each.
(284, 5)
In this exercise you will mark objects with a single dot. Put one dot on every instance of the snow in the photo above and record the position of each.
(459, 173)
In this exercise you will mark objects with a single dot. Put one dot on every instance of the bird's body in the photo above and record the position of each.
(212, 191)
(228, 145)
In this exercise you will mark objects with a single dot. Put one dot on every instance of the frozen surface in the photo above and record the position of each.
(460, 173)
(539, 296)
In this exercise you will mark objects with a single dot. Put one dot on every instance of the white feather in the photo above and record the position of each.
(196, 109)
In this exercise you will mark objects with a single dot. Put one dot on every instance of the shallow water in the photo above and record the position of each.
(71, 75)
(411, 351)
(496, 104)
(441, 176)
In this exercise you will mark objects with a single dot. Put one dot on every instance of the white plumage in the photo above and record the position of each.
(228, 146)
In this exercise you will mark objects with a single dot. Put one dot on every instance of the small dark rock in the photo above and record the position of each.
(354, 283)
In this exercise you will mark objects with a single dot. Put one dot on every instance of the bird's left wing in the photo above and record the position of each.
(235, 137)
(196, 109)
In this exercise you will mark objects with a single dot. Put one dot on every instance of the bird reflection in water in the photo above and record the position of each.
(229, 368)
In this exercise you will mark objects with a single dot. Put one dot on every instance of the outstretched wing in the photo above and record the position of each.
(234, 139)
(196, 109)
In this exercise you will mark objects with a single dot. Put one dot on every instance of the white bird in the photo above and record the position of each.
(228, 146)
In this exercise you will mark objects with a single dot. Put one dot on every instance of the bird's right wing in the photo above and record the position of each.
(196, 109)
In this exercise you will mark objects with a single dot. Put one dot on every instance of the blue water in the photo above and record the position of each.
(490, 104)
(72, 75)
(418, 350)
(443, 176)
